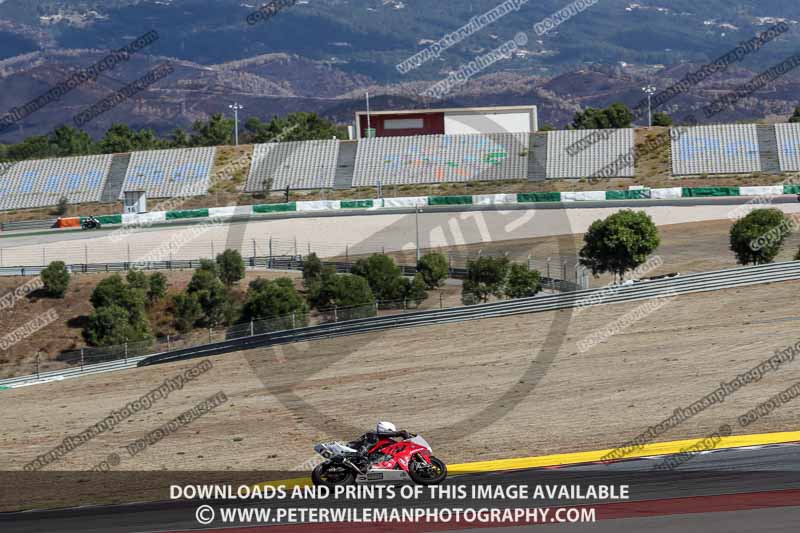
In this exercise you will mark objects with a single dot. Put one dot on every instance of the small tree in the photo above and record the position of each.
(795, 118)
(383, 275)
(273, 299)
(416, 289)
(662, 119)
(157, 287)
(434, 269)
(312, 270)
(522, 282)
(621, 242)
(758, 237)
(63, 206)
(56, 279)
(108, 326)
(138, 280)
(212, 295)
(486, 276)
(344, 290)
(187, 311)
(230, 266)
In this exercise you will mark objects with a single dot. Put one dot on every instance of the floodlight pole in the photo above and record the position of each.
(650, 91)
(369, 121)
(417, 211)
(236, 107)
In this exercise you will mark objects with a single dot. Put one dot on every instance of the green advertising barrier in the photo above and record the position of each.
(189, 213)
(532, 197)
(640, 194)
(275, 208)
(357, 204)
(4, 388)
(704, 192)
(450, 200)
(109, 219)
(791, 189)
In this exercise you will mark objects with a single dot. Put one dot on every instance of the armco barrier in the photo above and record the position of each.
(669, 193)
(692, 283)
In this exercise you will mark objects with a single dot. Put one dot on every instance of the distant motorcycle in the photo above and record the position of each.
(90, 223)
(387, 460)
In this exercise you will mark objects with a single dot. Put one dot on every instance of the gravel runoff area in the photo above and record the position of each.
(546, 395)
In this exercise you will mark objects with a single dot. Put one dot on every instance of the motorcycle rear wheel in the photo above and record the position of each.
(423, 473)
(330, 475)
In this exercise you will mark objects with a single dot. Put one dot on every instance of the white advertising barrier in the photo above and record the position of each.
(494, 199)
(230, 211)
(409, 201)
(322, 205)
(772, 190)
(143, 219)
(666, 194)
(583, 196)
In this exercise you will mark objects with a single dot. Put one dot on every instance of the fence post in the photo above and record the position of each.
(346, 253)
(37, 365)
(252, 328)
(81, 359)
(335, 313)
(212, 249)
(293, 323)
(255, 252)
(295, 245)
(404, 305)
(270, 251)
(44, 261)
(441, 300)
(126, 351)
(169, 349)
(549, 277)
(209, 335)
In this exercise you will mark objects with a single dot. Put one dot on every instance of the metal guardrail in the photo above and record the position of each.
(263, 263)
(692, 283)
(28, 224)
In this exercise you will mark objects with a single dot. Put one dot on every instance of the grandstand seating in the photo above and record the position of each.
(298, 165)
(722, 149)
(603, 149)
(441, 158)
(43, 183)
(170, 173)
(788, 146)
(4, 167)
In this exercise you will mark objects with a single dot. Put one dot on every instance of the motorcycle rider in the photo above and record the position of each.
(383, 430)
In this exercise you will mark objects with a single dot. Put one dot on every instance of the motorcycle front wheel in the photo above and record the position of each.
(423, 473)
(329, 474)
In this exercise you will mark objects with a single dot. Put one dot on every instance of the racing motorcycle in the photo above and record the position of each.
(90, 223)
(386, 461)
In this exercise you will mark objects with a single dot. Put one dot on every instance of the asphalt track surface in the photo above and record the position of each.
(370, 230)
(741, 489)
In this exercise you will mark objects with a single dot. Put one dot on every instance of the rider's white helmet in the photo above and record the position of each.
(385, 427)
